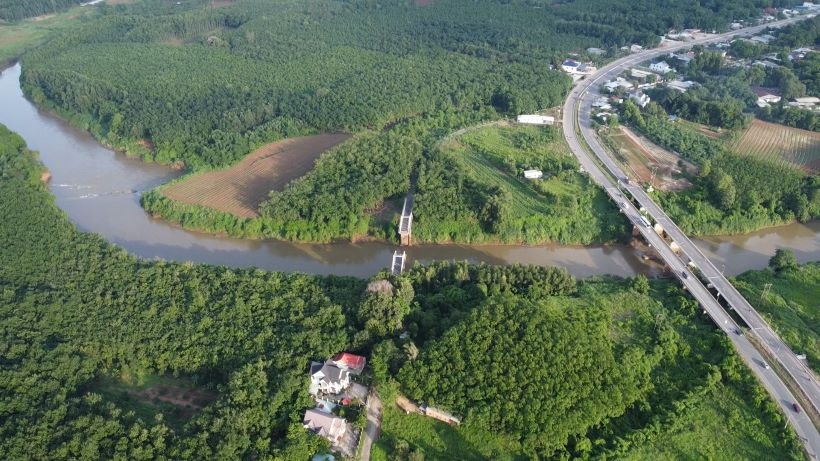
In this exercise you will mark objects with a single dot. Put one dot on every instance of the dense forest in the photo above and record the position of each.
(77, 314)
(15, 10)
(732, 193)
(187, 84)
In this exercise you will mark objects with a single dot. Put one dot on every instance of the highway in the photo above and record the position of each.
(577, 121)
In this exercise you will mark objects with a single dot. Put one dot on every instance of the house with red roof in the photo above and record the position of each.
(350, 362)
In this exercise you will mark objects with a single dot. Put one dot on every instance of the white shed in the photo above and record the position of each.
(535, 119)
(533, 174)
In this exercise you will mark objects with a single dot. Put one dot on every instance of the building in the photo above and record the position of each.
(535, 119)
(639, 74)
(328, 378)
(619, 82)
(764, 39)
(660, 67)
(596, 51)
(601, 103)
(533, 174)
(635, 49)
(809, 102)
(573, 67)
(639, 98)
(349, 362)
(681, 85)
(766, 96)
(325, 425)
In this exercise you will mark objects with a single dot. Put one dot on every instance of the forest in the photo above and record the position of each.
(200, 87)
(732, 193)
(77, 314)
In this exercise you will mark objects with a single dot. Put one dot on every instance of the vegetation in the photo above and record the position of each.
(19, 37)
(15, 10)
(97, 329)
(473, 189)
(519, 342)
(733, 193)
(790, 302)
(183, 83)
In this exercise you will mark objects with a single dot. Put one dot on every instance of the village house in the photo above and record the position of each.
(766, 96)
(681, 85)
(660, 67)
(327, 378)
(639, 98)
(808, 102)
(764, 39)
(619, 82)
(533, 174)
(573, 67)
(350, 362)
(325, 425)
(640, 75)
(595, 51)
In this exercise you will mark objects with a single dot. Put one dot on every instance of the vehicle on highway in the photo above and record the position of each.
(646, 221)
(765, 365)
(684, 274)
(796, 407)
(738, 332)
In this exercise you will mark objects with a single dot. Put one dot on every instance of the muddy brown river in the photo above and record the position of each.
(99, 191)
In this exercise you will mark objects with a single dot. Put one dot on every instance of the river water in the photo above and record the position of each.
(99, 190)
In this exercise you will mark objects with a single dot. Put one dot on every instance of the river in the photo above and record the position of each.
(99, 191)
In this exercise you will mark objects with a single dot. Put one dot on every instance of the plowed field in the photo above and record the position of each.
(781, 144)
(240, 189)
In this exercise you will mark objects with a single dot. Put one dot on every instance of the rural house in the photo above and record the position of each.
(660, 67)
(328, 378)
(766, 96)
(535, 119)
(325, 425)
(349, 362)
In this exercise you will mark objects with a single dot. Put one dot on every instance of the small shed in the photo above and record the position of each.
(534, 119)
(533, 174)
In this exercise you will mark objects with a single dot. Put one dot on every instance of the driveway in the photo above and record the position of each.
(371, 432)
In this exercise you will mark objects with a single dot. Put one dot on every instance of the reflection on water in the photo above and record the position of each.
(99, 190)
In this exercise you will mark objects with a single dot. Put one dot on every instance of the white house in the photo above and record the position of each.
(660, 67)
(619, 82)
(635, 49)
(766, 96)
(325, 425)
(640, 98)
(573, 67)
(328, 378)
(533, 174)
(596, 51)
(602, 103)
(808, 102)
(639, 74)
(535, 119)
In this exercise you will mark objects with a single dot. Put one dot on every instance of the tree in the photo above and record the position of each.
(640, 284)
(783, 260)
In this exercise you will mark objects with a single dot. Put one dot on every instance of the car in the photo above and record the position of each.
(738, 332)
(796, 407)
(684, 274)
(765, 365)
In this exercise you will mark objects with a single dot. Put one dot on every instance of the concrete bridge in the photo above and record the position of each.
(406, 220)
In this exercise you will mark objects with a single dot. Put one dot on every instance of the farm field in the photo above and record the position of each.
(642, 156)
(782, 144)
(17, 38)
(240, 189)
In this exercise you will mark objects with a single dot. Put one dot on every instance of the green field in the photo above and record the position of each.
(790, 305)
(17, 38)
(485, 167)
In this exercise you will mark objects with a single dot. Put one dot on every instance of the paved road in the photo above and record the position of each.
(371, 431)
(576, 117)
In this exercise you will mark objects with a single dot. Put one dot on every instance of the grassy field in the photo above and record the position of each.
(780, 143)
(790, 305)
(563, 206)
(17, 38)
(175, 398)
(720, 425)
(240, 190)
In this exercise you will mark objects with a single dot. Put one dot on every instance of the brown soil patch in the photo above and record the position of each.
(240, 189)
(45, 176)
(642, 157)
(190, 400)
(781, 144)
(146, 143)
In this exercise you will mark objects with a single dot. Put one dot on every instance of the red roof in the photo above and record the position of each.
(351, 361)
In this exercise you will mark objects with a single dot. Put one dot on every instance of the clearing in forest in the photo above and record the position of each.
(643, 157)
(240, 189)
(781, 144)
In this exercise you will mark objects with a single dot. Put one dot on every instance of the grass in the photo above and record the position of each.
(176, 399)
(780, 143)
(720, 425)
(438, 440)
(563, 206)
(19, 37)
(790, 305)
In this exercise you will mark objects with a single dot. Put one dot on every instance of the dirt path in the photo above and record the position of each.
(371, 432)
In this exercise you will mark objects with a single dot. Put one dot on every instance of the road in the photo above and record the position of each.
(577, 118)
(371, 431)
